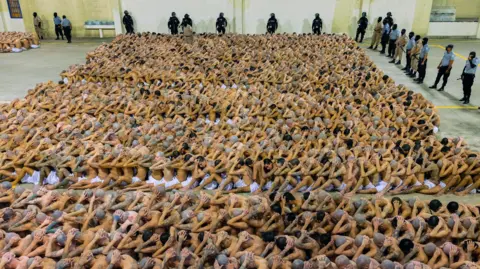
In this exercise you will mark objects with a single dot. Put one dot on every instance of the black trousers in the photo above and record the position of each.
(422, 69)
(384, 42)
(361, 33)
(221, 30)
(68, 33)
(391, 47)
(467, 85)
(409, 60)
(58, 30)
(317, 31)
(174, 31)
(129, 28)
(442, 71)
(270, 30)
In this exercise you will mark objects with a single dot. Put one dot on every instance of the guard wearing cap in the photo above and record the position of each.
(272, 24)
(362, 26)
(389, 18)
(444, 68)
(317, 25)
(221, 24)
(186, 21)
(468, 76)
(173, 24)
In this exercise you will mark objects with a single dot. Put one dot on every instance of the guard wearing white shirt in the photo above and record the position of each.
(444, 68)
(468, 76)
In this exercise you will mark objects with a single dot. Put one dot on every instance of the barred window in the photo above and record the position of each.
(14, 8)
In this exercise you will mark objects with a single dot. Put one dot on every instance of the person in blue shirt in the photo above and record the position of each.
(392, 43)
(422, 61)
(385, 36)
(468, 76)
(410, 45)
(58, 26)
(444, 68)
(67, 28)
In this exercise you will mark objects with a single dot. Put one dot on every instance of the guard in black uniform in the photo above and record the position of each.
(272, 24)
(221, 24)
(317, 25)
(173, 24)
(128, 22)
(362, 26)
(389, 19)
(186, 21)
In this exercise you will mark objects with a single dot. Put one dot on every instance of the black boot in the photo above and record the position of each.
(375, 48)
(463, 99)
(392, 61)
(441, 89)
(467, 101)
(398, 63)
(434, 86)
(371, 47)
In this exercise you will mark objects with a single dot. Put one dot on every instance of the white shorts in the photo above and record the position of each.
(174, 181)
(240, 184)
(16, 50)
(268, 185)
(381, 186)
(429, 184)
(442, 184)
(254, 187)
(211, 186)
(155, 182)
(52, 178)
(368, 187)
(228, 187)
(187, 181)
(96, 180)
(136, 179)
(33, 179)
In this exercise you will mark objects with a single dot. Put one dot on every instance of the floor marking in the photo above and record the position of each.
(456, 107)
(456, 54)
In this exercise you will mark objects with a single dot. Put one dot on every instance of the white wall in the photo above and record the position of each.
(13, 25)
(293, 16)
(153, 15)
(2, 27)
(403, 12)
(453, 29)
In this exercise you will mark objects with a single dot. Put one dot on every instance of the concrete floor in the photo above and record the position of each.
(22, 71)
(456, 119)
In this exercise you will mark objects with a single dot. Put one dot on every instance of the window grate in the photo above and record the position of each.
(14, 9)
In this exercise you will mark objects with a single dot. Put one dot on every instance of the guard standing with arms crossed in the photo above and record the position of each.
(317, 25)
(444, 68)
(58, 26)
(272, 24)
(221, 24)
(173, 24)
(67, 28)
(468, 76)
